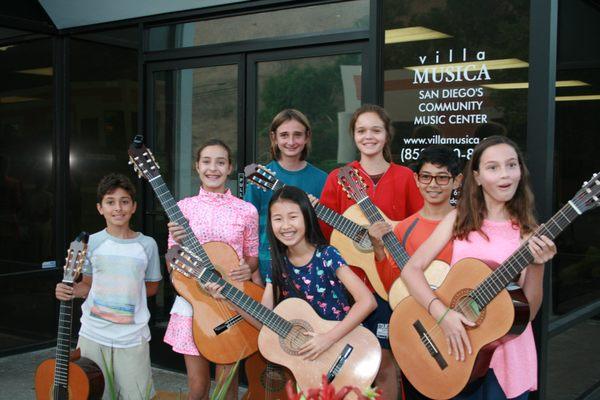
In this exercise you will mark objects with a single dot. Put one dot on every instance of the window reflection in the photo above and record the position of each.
(104, 87)
(325, 18)
(26, 188)
(448, 68)
(326, 89)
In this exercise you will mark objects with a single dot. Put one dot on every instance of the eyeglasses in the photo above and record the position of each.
(439, 179)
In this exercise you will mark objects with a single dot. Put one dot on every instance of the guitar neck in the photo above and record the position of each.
(253, 308)
(339, 222)
(175, 215)
(63, 343)
(512, 267)
(389, 239)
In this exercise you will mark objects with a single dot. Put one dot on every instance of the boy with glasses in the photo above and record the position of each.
(437, 175)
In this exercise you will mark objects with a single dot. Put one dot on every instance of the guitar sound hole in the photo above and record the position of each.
(464, 304)
(296, 338)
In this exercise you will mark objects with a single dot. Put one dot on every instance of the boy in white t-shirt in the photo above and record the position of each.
(122, 268)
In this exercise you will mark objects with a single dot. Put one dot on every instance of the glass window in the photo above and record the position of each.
(26, 195)
(576, 269)
(453, 71)
(319, 19)
(190, 106)
(326, 89)
(26, 161)
(104, 101)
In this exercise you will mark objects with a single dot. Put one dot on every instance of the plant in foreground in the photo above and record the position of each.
(327, 392)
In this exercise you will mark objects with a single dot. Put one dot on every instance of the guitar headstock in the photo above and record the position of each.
(142, 159)
(75, 258)
(588, 197)
(352, 183)
(181, 260)
(261, 176)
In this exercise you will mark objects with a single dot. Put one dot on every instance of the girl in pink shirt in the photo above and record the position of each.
(493, 217)
(214, 215)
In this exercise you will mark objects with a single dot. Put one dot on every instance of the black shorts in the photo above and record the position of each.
(378, 321)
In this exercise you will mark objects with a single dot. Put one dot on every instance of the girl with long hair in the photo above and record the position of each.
(494, 216)
(305, 267)
(392, 189)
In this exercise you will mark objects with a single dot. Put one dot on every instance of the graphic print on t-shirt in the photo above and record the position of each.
(116, 288)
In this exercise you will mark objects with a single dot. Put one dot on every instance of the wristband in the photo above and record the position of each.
(443, 315)
(430, 302)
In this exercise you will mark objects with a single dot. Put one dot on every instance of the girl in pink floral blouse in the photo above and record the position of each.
(213, 215)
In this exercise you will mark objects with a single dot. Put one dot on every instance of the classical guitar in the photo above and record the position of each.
(353, 184)
(220, 334)
(481, 294)
(350, 236)
(265, 379)
(69, 377)
(352, 360)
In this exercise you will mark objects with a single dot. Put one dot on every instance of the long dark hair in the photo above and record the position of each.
(471, 208)
(313, 235)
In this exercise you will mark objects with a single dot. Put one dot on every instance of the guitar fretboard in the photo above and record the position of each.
(175, 215)
(261, 313)
(389, 239)
(63, 343)
(487, 290)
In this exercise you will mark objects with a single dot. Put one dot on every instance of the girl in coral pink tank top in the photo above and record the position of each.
(493, 217)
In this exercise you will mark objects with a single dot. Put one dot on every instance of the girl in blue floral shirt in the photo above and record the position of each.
(304, 266)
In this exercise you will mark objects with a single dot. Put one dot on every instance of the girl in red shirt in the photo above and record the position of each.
(392, 188)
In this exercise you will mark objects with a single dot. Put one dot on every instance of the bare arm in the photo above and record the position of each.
(267, 300)
(152, 288)
(413, 272)
(80, 289)
(413, 275)
(364, 304)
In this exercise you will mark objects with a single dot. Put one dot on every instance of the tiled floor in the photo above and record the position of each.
(17, 377)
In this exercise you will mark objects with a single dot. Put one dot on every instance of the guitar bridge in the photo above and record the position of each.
(430, 345)
(339, 363)
(227, 324)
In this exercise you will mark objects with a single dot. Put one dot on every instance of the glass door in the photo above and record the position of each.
(234, 98)
(324, 83)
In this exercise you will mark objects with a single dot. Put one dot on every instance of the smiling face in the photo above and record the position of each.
(433, 192)
(499, 173)
(290, 138)
(213, 167)
(287, 222)
(370, 135)
(117, 208)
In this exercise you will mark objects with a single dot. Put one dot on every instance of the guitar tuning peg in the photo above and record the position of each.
(129, 162)
(585, 183)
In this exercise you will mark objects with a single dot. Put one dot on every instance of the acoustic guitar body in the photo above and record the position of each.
(360, 254)
(435, 275)
(220, 333)
(359, 369)
(85, 381)
(265, 380)
(419, 345)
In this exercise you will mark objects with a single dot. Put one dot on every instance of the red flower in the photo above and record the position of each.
(326, 392)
